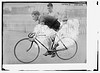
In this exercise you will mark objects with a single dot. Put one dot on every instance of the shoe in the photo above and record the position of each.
(53, 55)
(47, 53)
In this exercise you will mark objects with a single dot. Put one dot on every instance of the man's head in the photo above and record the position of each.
(35, 15)
(50, 7)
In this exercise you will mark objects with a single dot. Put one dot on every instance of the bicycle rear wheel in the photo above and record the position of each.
(26, 51)
(67, 48)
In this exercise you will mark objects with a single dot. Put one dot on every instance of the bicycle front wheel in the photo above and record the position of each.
(26, 51)
(67, 48)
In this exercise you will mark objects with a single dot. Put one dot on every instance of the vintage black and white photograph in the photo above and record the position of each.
(44, 32)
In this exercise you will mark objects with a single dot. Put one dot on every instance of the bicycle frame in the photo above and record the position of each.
(42, 44)
(51, 44)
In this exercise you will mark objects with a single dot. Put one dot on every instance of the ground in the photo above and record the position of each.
(11, 37)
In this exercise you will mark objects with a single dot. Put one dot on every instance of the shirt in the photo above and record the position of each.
(50, 21)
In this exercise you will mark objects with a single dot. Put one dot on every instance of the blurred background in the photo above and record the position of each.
(17, 23)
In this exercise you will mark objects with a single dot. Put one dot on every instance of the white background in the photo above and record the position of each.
(93, 16)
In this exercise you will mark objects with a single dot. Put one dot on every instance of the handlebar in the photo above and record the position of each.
(31, 35)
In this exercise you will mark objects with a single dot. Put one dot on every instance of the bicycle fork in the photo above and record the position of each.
(29, 47)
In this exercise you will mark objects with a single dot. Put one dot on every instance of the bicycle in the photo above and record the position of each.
(30, 53)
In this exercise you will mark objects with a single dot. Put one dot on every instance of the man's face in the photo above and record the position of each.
(50, 8)
(35, 17)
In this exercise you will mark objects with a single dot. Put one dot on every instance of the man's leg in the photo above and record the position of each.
(49, 44)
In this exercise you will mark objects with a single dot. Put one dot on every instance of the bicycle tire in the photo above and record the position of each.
(61, 52)
(31, 45)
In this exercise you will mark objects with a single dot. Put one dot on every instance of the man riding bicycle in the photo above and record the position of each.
(47, 25)
(50, 25)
